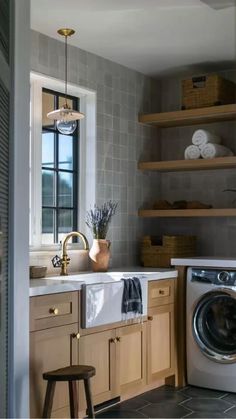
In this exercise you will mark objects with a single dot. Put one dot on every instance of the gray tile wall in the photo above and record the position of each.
(215, 236)
(121, 140)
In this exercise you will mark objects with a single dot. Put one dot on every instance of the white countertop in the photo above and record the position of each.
(205, 262)
(74, 282)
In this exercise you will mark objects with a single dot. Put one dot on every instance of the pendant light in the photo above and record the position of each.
(65, 116)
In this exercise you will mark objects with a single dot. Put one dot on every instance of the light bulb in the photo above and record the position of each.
(66, 127)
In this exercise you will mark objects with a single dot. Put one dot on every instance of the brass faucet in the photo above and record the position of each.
(64, 260)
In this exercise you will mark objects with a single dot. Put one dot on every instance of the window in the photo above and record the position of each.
(62, 167)
(59, 173)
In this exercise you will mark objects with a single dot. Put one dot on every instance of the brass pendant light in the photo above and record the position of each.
(66, 117)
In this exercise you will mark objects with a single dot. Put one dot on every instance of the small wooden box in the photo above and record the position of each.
(204, 91)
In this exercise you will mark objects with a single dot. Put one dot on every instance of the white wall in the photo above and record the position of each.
(19, 217)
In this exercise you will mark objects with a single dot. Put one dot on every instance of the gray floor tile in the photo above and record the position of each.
(230, 397)
(205, 415)
(164, 410)
(165, 394)
(231, 413)
(207, 405)
(120, 413)
(135, 403)
(202, 392)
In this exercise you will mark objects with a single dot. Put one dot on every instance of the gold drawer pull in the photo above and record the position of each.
(161, 292)
(76, 336)
(54, 310)
(150, 318)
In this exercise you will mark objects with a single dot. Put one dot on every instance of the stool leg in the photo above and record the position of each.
(88, 394)
(47, 408)
(73, 399)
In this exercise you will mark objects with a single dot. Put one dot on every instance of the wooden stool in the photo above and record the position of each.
(70, 374)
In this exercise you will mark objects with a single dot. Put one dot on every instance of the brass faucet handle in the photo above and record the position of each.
(56, 261)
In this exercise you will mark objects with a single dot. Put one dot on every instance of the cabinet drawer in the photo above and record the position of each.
(52, 310)
(160, 292)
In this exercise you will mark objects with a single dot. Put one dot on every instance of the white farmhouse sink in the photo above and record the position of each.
(102, 294)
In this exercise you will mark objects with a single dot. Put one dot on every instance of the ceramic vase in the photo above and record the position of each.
(100, 255)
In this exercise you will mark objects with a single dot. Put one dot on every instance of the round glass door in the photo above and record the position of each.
(214, 325)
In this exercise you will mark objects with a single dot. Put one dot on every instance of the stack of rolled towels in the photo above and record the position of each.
(206, 145)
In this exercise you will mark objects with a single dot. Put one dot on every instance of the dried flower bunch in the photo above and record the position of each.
(98, 219)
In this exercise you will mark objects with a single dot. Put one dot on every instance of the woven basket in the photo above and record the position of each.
(159, 256)
(212, 90)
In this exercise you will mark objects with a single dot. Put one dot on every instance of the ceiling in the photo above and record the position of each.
(155, 37)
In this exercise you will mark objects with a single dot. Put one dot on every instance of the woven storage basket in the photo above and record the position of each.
(200, 92)
(159, 256)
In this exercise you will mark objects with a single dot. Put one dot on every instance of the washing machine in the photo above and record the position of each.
(211, 328)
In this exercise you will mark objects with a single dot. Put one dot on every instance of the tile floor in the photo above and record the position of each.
(166, 402)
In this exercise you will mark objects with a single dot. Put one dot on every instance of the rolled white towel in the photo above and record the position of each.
(202, 137)
(210, 151)
(192, 152)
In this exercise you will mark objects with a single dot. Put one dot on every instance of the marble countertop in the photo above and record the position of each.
(74, 282)
(205, 262)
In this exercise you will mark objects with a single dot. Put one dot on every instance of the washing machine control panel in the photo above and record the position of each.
(214, 276)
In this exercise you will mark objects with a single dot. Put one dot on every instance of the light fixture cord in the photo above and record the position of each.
(66, 68)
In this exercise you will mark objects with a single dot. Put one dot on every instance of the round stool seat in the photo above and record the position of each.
(71, 373)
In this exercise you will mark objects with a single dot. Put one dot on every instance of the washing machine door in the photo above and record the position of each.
(214, 325)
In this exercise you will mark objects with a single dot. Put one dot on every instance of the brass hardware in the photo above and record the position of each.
(76, 335)
(65, 32)
(64, 259)
(150, 318)
(54, 310)
(118, 339)
(112, 340)
(162, 292)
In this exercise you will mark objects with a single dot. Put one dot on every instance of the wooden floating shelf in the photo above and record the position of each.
(190, 116)
(184, 165)
(213, 212)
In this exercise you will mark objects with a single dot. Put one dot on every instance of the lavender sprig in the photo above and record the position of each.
(99, 218)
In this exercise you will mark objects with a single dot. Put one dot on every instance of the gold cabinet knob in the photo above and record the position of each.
(150, 318)
(54, 310)
(76, 336)
(118, 339)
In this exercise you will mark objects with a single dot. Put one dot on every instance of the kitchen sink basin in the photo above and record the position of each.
(102, 295)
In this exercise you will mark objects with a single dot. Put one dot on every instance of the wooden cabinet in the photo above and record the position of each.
(99, 350)
(119, 356)
(131, 357)
(126, 358)
(161, 330)
(51, 349)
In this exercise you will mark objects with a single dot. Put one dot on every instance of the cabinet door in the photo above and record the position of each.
(161, 343)
(131, 357)
(51, 349)
(99, 350)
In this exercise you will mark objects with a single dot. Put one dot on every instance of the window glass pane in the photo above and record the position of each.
(62, 102)
(47, 106)
(48, 188)
(65, 223)
(65, 189)
(47, 226)
(65, 152)
(48, 149)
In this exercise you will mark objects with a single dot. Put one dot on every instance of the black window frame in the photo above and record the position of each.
(56, 170)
